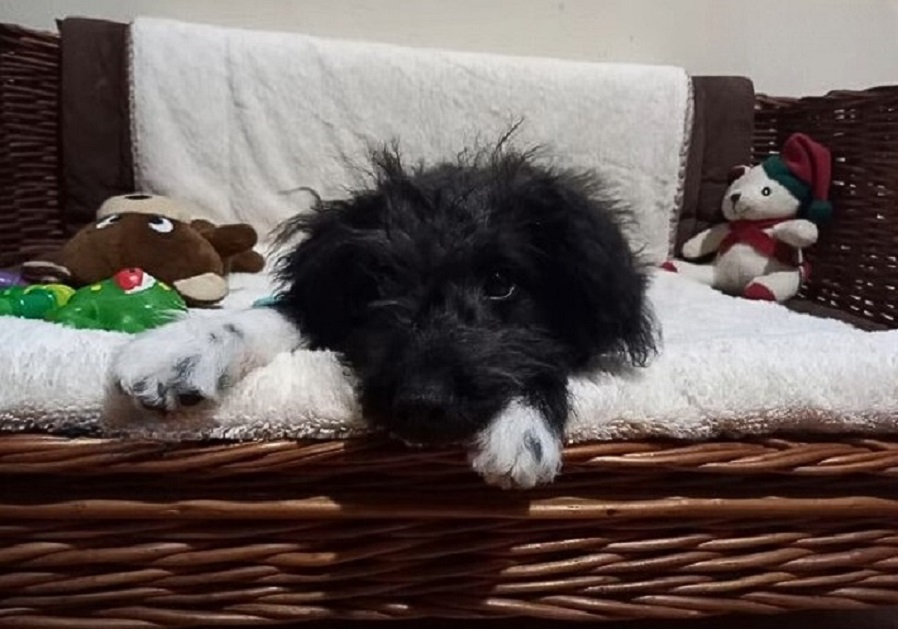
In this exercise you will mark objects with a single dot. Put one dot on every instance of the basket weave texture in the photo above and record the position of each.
(111, 534)
(855, 263)
(30, 216)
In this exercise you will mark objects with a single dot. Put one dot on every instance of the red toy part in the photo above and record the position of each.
(128, 279)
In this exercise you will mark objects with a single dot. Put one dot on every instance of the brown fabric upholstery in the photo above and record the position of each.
(723, 123)
(96, 132)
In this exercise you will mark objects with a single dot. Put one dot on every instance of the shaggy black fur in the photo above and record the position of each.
(450, 290)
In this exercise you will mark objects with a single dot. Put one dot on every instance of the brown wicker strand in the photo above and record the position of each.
(45, 454)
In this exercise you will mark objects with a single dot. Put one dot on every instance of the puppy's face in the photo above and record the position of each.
(451, 291)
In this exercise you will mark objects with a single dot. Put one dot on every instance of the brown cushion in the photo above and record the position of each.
(96, 132)
(722, 127)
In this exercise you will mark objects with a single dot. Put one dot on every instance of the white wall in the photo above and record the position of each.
(789, 47)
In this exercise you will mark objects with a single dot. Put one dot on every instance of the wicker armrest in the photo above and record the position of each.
(854, 267)
(30, 214)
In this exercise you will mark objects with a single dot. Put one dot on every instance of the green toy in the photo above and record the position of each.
(34, 302)
(131, 301)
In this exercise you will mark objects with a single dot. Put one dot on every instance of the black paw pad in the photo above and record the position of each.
(533, 445)
(190, 398)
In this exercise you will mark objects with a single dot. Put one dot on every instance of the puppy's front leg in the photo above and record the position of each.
(185, 362)
(518, 449)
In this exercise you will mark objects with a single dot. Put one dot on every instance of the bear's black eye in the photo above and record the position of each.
(498, 287)
(766, 191)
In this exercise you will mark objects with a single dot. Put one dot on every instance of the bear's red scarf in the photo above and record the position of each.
(752, 233)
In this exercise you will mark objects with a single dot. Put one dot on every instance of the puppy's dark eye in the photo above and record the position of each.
(498, 287)
(766, 191)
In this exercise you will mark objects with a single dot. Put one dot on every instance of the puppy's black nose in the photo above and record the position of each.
(735, 197)
(417, 413)
(420, 404)
(422, 412)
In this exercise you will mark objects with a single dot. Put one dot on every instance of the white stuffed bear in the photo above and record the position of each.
(773, 211)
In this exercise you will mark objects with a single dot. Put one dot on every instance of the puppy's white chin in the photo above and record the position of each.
(517, 450)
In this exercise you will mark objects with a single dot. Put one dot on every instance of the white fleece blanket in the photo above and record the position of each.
(238, 121)
(729, 367)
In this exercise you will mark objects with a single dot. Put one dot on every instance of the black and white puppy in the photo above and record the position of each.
(461, 295)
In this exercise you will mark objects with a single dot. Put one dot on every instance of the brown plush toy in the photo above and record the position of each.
(156, 234)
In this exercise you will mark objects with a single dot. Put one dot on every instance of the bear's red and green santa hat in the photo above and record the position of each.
(804, 168)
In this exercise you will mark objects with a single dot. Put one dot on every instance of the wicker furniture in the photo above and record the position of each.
(30, 218)
(100, 533)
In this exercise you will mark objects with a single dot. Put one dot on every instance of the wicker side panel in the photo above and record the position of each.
(30, 219)
(854, 265)
(137, 534)
(94, 573)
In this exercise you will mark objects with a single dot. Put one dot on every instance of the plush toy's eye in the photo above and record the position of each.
(161, 224)
(498, 287)
(766, 191)
(107, 221)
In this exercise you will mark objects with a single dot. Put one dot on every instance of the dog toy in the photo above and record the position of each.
(773, 211)
(131, 301)
(33, 302)
(11, 278)
(156, 234)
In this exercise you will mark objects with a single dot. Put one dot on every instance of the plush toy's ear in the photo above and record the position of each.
(735, 173)
(247, 262)
(204, 227)
(228, 240)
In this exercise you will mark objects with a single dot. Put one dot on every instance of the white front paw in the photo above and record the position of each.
(179, 364)
(517, 450)
(799, 233)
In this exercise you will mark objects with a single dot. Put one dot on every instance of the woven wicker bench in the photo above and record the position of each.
(101, 533)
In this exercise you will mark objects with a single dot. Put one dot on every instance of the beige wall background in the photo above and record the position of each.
(788, 47)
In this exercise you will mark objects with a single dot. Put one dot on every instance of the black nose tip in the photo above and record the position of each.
(420, 402)
(419, 421)
(424, 412)
(417, 411)
(735, 196)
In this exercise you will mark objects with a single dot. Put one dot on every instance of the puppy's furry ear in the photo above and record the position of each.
(595, 281)
(322, 278)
